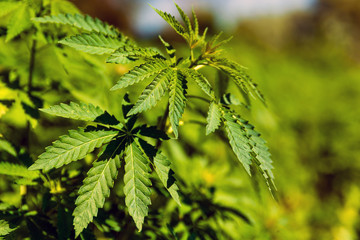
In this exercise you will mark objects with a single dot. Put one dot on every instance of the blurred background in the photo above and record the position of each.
(305, 56)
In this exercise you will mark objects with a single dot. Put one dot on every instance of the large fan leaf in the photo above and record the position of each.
(93, 43)
(163, 170)
(11, 169)
(177, 99)
(238, 139)
(82, 111)
(72, 147)
(84, 22)
(96, 187)
(140, 73)
(137, 184)
(152, 93)
(213, 118)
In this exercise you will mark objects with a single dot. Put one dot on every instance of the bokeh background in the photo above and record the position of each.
(305, 56)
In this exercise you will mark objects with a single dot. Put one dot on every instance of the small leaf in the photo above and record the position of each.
(132, 53)
(213, 118)
(93, 43)
(152, 93)
(137, 184)
(96, 187)
(172, 22)
(72, 147)
(140, 73)
(5, 228)
(177, 99)
(163, 170)
(186, 20)
(19, 22)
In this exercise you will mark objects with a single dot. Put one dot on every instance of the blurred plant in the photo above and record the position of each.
(114, 141)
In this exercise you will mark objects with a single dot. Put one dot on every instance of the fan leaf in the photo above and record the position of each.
(214, 118)
(11, 169)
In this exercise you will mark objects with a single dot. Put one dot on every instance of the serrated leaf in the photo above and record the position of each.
(137, 184)
(170, 50)
(5, 228)
(84, 22)
(140, 73)
(93, 43)
(152, 93)
(177, 99)
(11, 169)
(19, 22)
(214, 118)
(96, 187)
(238, 139)
(172, 22)
(82, 111)
(7, 7)
(8, 147)
(186, 20)
(196, 23)
(72, 147)
(201, 80)
(127, 54)
(163, 170)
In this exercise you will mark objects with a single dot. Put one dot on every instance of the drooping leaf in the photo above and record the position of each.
(152, 93)
(130, 53)
(163, 170)
(238, 139)
(96, 187)
(201, 80)
(82, 111)
(11, 169)
(94, 43)
(214, 118)
(172, 22)
(140, 73)
(19, 21)
(72, 147)
(177, 99)
(84, 22)
(137, 184)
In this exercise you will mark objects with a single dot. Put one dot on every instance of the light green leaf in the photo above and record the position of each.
(7, 7)
(137, 184)
(170, 50)
(177, 99)
(72, 147)
(84, 22)
(93, 43)
(130, 53)
(8, 147)
(11, 169)
(196, 23)
(163, 170)
(172, 22)
(214, 118)
(19, 22)
(201, 80)
(238, 139)
(5, 228)
(152, 93)
(186, 20)
(140, 73)
(96, 187)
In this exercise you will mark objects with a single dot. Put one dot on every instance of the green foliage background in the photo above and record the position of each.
(311, 125)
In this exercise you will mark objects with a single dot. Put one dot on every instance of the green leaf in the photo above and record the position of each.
(8, 147)
(127, 54)
(11, 169)
(84, 22)
(82, 111)
(172, 22)
(196, 23)
(170, 50)
(186, 20)
(238, 139)
(152, 93)
(7, 7)
(140, 73)
(177, 99)
(137, 184)
(201, 80)
(96, 187)
(5, 228)
(94, 43)
(163, 170)
(214, 118)
(19, 22)
(72, 147)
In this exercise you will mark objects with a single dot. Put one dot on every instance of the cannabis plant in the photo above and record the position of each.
(128, 146)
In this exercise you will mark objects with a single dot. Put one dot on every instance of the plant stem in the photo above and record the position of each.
(31, 65)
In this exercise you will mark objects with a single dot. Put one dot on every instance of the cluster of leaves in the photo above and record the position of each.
(118, 143)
